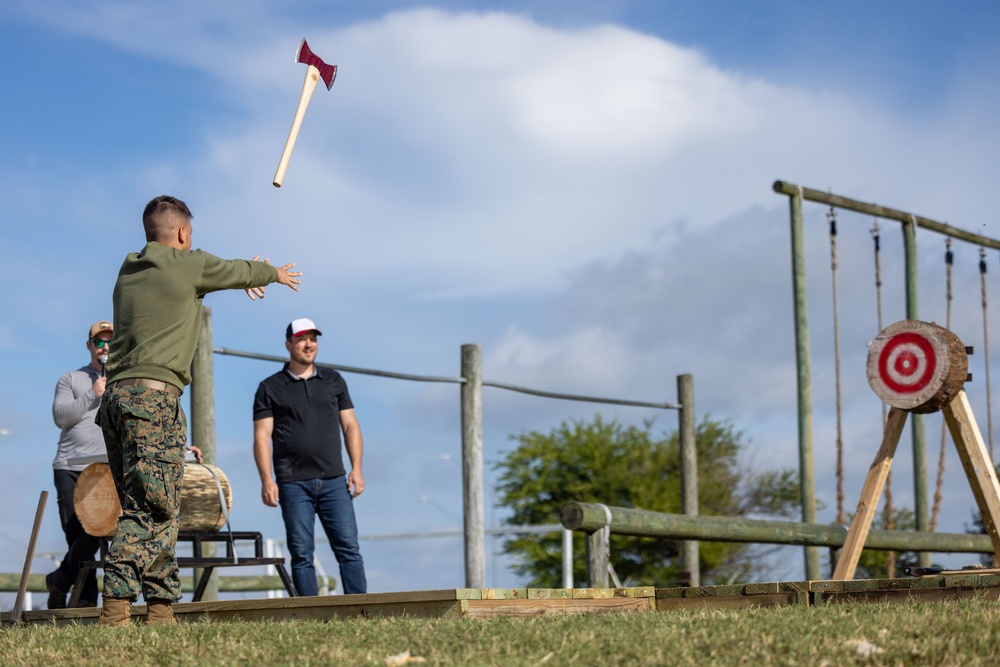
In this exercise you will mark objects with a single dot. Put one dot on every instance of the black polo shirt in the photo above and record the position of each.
(306, 438)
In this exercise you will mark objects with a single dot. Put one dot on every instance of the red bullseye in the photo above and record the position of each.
(907, 363)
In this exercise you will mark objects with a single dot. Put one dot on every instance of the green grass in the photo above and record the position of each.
(944, 633)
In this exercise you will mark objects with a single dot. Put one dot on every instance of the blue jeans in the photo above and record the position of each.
(331, 500)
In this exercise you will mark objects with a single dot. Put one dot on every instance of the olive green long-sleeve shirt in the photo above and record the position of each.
(157, 308)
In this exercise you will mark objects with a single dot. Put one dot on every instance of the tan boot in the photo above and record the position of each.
(160, 612)
(116, 611)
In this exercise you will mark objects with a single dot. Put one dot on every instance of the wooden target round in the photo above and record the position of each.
(917, 366)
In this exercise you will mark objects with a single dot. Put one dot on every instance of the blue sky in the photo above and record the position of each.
(582, 188)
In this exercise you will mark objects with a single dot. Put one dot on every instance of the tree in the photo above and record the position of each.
(629, 466)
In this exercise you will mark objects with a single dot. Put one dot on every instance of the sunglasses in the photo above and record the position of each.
(100, 343)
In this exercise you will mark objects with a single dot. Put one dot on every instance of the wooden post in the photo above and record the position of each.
(871, 492)
(807, 480)
(690, 561)
(597, 559)
(920, 511)
(472, 466)
(203, 421)
(203, 391)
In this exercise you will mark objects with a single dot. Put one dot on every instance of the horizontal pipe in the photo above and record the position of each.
(589, 517)
(837, 201)
(338, 367)
(455, 380)
(585, 399)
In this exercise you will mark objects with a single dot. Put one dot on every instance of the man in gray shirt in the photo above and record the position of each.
(78, 395)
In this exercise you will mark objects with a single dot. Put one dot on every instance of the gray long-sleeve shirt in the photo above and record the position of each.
(73, 409)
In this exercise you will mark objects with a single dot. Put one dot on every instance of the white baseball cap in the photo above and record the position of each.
(301, 326)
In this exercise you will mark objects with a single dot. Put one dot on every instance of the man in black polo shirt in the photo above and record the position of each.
(298, 410)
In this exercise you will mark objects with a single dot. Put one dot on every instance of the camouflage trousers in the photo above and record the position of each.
(145, 431)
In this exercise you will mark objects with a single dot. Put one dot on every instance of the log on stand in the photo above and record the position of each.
(920, 367)
(98, 508)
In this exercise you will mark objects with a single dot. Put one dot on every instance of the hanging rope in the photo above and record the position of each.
(949, 258)
(890, 519)
(831, 216)
(986, 345)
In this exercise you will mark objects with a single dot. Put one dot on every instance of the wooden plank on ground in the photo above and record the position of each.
(550, 593)
(504, 594)
(780, 598)
(495, 608)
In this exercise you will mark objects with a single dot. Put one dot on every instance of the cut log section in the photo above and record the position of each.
(98, 508)
(917, 366)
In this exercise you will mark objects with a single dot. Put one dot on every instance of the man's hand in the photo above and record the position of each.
(197, 454)
(285, 277)
(99, 385)
(355, 483)
(269, 493)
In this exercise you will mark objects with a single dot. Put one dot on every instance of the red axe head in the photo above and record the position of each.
(304, 55)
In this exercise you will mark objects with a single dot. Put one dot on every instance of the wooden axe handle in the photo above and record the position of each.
(308, 86)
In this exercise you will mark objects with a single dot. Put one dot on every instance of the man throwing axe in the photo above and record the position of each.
(157, 317)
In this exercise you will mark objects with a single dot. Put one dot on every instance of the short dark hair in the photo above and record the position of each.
(162, 215)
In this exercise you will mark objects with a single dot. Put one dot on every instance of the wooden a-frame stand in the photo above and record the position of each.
(975, 460)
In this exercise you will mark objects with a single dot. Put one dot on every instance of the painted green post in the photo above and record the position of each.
(920, 512)
(202, 393)
(807, 480)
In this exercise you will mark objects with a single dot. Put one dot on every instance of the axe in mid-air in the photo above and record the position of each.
(317, 69)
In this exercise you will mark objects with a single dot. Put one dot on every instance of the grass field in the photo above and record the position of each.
(961, 633)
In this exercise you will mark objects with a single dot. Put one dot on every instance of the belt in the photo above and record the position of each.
(148, 384)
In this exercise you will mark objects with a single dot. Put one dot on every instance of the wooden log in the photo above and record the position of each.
(98, 508)
(95, 500)
(201, 506)
(588, 518)
(917, 366)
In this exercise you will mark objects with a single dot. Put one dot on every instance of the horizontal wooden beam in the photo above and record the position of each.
(587, 517)
(847, 204)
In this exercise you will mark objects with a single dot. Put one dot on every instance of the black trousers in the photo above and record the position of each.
(82, 546)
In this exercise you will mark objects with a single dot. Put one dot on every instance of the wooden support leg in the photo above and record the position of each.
(597, 560)
(871, 493)
(15, 612)
(976, 461)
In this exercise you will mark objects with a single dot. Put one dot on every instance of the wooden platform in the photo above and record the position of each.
(530, 602)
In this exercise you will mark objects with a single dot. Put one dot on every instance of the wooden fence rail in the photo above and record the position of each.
(592, 518)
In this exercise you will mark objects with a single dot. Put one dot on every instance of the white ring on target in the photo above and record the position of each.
(912, 376)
